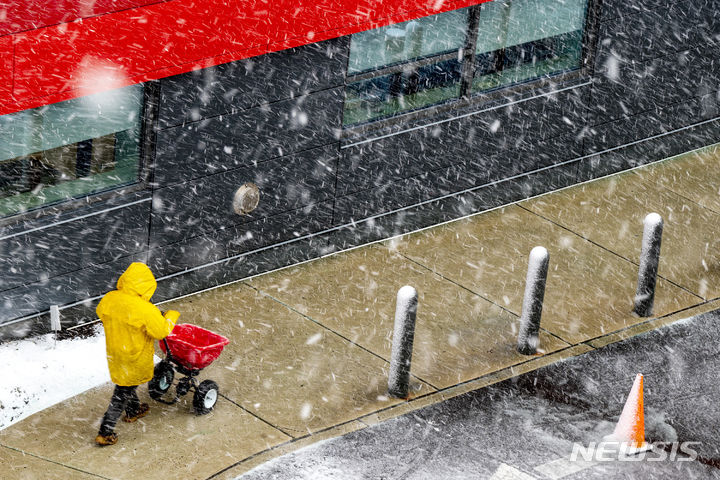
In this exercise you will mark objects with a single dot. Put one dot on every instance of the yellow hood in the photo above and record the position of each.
(138, 280)
(132, 324)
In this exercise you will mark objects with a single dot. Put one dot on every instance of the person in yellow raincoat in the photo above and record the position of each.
(132, 324)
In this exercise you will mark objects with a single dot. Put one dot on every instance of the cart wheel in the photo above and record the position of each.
(162, 380)
(206, 395)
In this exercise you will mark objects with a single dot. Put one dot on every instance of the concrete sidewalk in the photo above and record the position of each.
(527, 427)
(310, 344)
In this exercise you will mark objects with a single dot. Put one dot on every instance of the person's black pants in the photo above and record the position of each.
(123, 398)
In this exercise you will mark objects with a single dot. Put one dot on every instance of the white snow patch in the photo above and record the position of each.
(39, 372)
(305, 411)
(703, 287)
(612, 66)
(507, 472)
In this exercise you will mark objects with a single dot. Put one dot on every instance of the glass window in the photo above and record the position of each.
(520, 40)
(417, 64)
(407, 41)
(69, 149)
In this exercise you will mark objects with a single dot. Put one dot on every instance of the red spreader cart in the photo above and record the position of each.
(188, 349)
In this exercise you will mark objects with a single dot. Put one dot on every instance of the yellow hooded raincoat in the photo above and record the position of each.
(132, 324)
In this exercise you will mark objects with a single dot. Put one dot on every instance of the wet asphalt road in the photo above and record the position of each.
(525, 428)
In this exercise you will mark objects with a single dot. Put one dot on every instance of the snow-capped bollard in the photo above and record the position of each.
(402, 346)
(649, 261)
(533, 301)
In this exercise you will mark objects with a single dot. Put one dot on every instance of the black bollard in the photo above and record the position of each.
(533, 301)
(649, 261)
(402, 346)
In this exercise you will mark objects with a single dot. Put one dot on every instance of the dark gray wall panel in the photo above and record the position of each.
(710, 105)
(542, 116)
(481, 163)
(523, 155)
(653, 122)
(404, 221)
(526, 156)
(611, 9)
(240, 238)
(70, 211)
(205, 205)
(478, 138)
(51, 251)
(690, 73)
(64, 289)
(239, 85)
(36, 326)
(649, 151)
(530, 155)
(571, 106)
(532, 184)
(399, 156)
(248, 137)
(452, 207)
(502, 127)
(241, 267)
(209, 92)
(301, 70)
(644, 36)
(640, 86)
(399, 194)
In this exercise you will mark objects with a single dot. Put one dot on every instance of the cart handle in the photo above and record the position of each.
(167, 349)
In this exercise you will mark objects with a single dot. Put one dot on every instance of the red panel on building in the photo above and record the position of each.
(298, 22)
(65, 61)
(108, 51)
(29, 15)
(6, 67)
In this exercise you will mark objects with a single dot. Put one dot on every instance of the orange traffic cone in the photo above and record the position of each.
(630, 429)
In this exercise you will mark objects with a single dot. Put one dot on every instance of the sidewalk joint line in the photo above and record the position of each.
(80, 217)
(223, 395)
(651, 320)
(23, 452)
(555, 335)
(478, 294)
(672, 190)
(285, 444)
(317, 322)
(672, 282)
(705, 207)
(505, 309)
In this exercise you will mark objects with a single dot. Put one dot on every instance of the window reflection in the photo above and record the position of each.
(520, 40)
(416, 64)
(432, 43)
(69, 149)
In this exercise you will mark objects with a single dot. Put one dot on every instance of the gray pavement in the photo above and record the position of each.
(525, 427)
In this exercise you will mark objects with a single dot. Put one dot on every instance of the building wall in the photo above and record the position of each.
(275, 120)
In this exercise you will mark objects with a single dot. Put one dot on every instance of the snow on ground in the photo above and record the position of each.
(39, 372)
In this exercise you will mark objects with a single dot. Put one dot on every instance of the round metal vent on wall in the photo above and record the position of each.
(246, 198)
